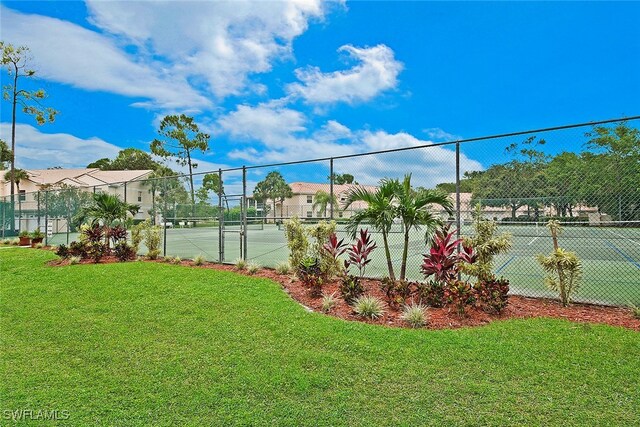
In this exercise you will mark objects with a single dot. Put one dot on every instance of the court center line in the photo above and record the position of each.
(623, 236)
(533, 240)
(503, 266)
(625, 256)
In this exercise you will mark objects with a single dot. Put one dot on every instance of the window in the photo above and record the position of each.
(22, 195)
(139, 196)
(309, 214)
(309, 199)
(319, 214)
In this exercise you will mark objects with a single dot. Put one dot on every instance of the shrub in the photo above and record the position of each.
(199, 260)
(443, 261)
(37, 234)
(6, 241)
(152, 237)
(460, 294)
(24, 233)
(240, 264)
(321, 233)
(62, 251)
(359, 252)
(297, 240)
(331, 250)
(283, 268)
(78, 248)
(564, 268)
(368, 306)
(117, 234)
(310, 274)
(123, 251)
(431, 293)
(74, 260)
(252, 267)
(176, 260)
(328, 302)
(396, 291)
(39, 245)
(492, 294)
(15, 242)
(635, 310)
(487, 245)
(137, 236)
(93, 234)
(350, 288)
(415, 315)
(96, 251)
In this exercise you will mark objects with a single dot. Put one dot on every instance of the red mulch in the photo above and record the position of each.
(438, 318)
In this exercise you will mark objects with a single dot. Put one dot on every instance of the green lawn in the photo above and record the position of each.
(154, 344)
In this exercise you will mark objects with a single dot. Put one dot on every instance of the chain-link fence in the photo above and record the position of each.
(585, 176)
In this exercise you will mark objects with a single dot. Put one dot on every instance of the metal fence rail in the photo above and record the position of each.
(587, 176)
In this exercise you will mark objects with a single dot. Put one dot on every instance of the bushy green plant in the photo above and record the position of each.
(137, 235)
(176, 260)
(321, 232)
(152, 236)
(74, 260)
(487, 244)
(414, 314)
(297, 240)
(78, 248)
(564, 268)
(199, 260)
(368, 306)
(240, 264)
(328, 302)
(24, 233)
(96, 250)
(37, 234)
(431, 293)
(350, 288)
(492, 294)
(283, 268)
(253, 267)
(62, 251)
(310, 274)
(123, 251)
(396, 291)
(460, 294)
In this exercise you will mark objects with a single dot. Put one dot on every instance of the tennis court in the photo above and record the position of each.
(610, 255)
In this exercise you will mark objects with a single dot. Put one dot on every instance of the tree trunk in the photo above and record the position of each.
(13, 144)
(405, 251)
(193, 197)
(392, 276)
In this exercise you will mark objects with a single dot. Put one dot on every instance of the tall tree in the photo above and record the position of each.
(14, 177)
(273, 187)
(181, 137)
(414, 208)
(380, 212)
(127, 159)
(322, 199)
(343, 178)
(5, 155)
(211, 182)
(16, 61)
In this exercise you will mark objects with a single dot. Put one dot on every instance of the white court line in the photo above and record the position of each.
(534, 239)
(624, 237)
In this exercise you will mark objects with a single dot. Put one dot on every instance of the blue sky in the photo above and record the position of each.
(279, 81)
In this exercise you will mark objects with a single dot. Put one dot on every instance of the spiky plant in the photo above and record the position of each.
(369, 306)
(415, 315)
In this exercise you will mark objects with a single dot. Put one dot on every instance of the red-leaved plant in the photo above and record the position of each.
(443, 260)
(334, 247)
(359, 252)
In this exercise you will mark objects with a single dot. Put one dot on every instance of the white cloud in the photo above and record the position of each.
(279, 134)
(37, 150)
(376, 72)
(438, 134)
(70, 54)
(217, 42)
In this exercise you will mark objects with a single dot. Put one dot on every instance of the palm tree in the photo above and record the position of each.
(380, 212)
(106, 210)
(14, 177)
(322, 199)
(413, 208)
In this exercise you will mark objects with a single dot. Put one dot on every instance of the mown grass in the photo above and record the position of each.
(155, 344)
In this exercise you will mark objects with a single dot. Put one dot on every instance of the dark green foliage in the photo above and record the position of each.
(350, 288)
(94, 234)
(123, 251)
(63, 251)
(96, 250)
(432, 293)
(397, 291)
(117, 234)
(78, 248)
(492, 294)
(460, 294)
(310, 273)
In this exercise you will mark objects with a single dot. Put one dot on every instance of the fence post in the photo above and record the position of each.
(125, 192)
(38, 207)
(164, 217)
(46, 216)
(331, 187)
(220, 221)
(458, 219)
(244, 212)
